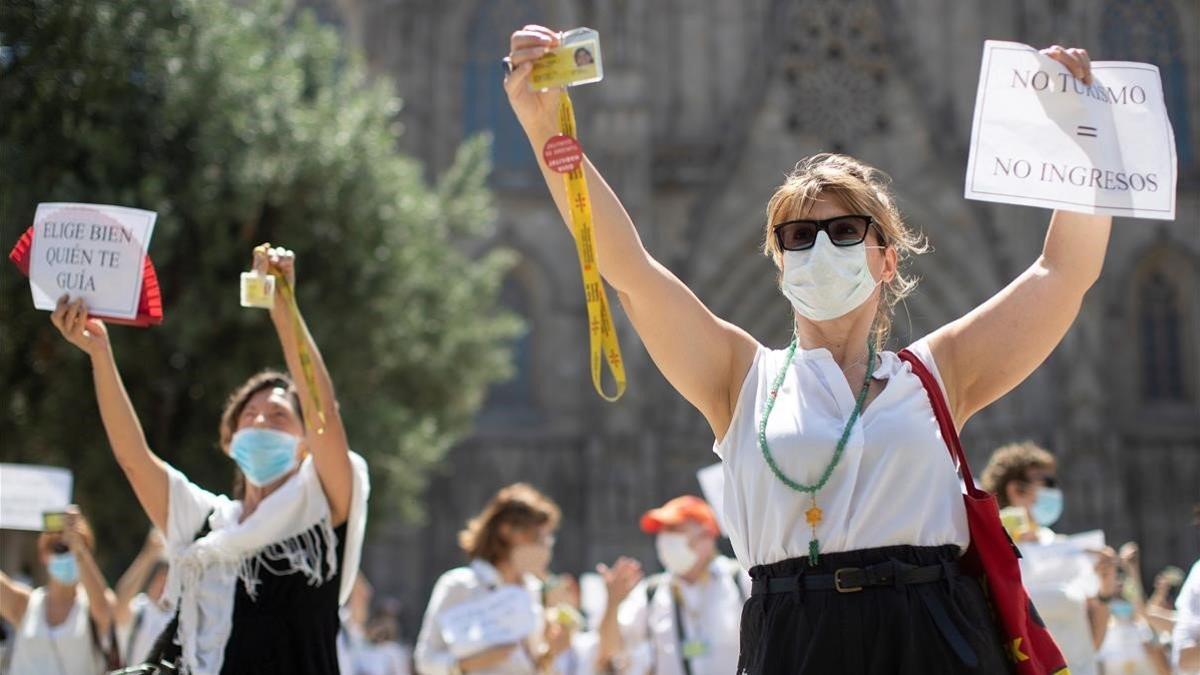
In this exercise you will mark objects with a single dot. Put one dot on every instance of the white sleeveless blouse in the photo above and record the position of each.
(895, 483)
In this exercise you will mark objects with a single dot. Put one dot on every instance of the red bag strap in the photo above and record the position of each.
(945, 420)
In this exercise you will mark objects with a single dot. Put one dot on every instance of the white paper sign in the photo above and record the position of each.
(92, 251)
(1043, 138)
(28, 490)
(504, 616)
(712, 484)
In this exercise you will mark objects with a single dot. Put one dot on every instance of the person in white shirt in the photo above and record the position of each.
(141, 610)
(684, 621)
(509, 545)
(66, 626)
(381, 653)
(287, 542)
(1185, 638)
(1023, 477)
(840, 495)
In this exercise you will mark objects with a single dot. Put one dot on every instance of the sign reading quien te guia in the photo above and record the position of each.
(1041, 137)
(90, 251)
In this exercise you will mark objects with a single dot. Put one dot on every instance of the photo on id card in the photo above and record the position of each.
(575, 61)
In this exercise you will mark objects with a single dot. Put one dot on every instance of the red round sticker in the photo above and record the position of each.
(562, 153)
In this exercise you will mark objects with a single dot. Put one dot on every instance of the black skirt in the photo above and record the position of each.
(943, 626)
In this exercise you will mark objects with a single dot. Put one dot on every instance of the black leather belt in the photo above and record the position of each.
(855, 579)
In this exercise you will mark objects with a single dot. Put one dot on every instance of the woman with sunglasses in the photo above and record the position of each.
(66, 626)
(832, 457)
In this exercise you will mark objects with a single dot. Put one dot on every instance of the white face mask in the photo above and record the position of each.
(674, 552)
(826, 281)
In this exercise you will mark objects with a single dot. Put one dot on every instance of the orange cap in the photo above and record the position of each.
(678, 511)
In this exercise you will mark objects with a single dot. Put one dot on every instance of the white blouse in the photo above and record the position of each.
(895, 483)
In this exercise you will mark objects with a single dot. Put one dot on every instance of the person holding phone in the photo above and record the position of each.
(66, 626)
(257, 578)
(840, 494)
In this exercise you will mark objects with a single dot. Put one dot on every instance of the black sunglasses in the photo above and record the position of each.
(59, 547)
(800, 235)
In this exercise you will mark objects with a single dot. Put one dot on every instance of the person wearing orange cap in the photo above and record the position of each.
(684, 621)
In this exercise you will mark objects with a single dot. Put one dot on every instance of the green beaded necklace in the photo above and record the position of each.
(813, 514)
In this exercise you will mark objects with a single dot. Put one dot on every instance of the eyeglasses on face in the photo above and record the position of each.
(801, 235)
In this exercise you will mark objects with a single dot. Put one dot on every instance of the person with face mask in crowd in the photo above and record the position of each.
(509, 544)
(1024, 476)
(66, 626)
(142, 610)
(257, 579)
(684, 621)
(837, 476)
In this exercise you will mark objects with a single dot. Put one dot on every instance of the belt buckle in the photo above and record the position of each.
(837, 581)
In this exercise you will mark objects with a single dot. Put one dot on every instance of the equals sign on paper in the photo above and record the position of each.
(1085, 131)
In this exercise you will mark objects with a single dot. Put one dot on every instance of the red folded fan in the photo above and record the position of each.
(150, 307)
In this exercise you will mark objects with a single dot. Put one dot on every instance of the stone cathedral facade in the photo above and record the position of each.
(705, 105)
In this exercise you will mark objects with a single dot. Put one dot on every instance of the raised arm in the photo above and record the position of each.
(14, 598)
(703, 357)
(145, 471)
(100, 597)
(992, 349)
(326, 441)
(134, 579)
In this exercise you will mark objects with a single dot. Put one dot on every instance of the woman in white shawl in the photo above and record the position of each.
(258, 578)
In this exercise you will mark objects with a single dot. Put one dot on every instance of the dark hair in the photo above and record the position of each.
(519, 506)
(236, 403)
(1011, 463)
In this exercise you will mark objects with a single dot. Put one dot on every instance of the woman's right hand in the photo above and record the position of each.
(621, 578)
(536, 110)
(71, 319)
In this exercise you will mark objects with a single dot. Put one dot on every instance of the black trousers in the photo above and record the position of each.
(943, 626)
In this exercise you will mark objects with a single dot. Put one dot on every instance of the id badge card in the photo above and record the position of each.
(258, 290)
(694, 649)
(575, 61)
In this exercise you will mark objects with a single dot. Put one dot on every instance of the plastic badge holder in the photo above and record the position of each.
(258, 290)
(575, 61)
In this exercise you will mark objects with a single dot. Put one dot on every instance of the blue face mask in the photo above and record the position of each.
(1048, 506)
(263, 455)
(1122, 609)
(63, 568)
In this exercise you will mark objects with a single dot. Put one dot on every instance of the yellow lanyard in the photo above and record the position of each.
(306, 363)
(602, 334)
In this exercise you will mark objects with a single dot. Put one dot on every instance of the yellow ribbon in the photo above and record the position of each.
(306, 363)
(602, 333)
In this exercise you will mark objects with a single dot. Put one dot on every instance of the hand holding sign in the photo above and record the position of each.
(1053, 129)
(72, 320)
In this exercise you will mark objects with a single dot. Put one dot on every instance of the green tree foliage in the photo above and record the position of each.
(239, 122)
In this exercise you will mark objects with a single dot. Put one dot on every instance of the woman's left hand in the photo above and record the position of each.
(558, 639)
(276, 259)
(73, 529)
(1076, 60)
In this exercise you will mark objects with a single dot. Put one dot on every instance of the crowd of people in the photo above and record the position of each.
(842, 507)
(683, 620)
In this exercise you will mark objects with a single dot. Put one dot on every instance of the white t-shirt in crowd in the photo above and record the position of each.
(1187, 618)
(895, 483)
(65, 649)
(147, 621)
(383, 658)
(464, 584)
(711, 610)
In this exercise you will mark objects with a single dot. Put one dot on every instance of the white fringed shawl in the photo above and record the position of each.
(290, 526)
